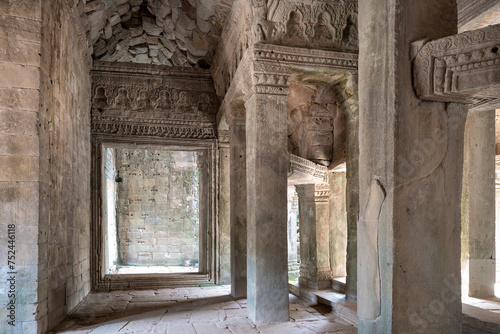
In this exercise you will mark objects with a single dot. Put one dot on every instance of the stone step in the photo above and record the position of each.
(478, 320)
(344, 309)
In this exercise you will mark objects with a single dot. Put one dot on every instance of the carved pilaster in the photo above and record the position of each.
(461, 68)
(315, 271)
(270, 78)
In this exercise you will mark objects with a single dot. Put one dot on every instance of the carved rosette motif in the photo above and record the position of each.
(461, 68)
(143, 102)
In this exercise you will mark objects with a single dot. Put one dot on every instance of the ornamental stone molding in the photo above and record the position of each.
(303, 26)
(463, 68)
(303, 171)
(160, 101)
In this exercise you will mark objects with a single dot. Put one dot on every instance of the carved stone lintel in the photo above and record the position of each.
(290, 58)
(145, 100)
(463, 68)
(303, 171)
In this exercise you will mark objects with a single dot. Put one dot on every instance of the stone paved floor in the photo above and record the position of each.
(205, 310)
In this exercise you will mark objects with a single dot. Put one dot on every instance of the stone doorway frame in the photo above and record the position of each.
(208, 266)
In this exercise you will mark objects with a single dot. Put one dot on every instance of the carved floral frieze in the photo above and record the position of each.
(461, 68)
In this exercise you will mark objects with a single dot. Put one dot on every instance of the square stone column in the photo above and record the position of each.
(293, 208)
(224, 208)
(314, 213)
(410, 175)
(479, 202)
(238, 205)
(267, 167)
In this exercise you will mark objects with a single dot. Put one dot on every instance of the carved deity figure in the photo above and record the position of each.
(143, 102)
(183, 102)
(122, 101)
(163, 101)
(295, 27)
(323, 30)
(100, 99)
(204, 103)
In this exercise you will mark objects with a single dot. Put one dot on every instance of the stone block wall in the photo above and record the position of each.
(20, 28)
(44, 160)
(64, 128)
(158, 207)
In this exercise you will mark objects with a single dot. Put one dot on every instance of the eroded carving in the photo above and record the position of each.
(303, 171)
(326, 25)
(175, 105)
(460, 68)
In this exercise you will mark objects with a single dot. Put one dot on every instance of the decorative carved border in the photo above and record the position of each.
(314, 172)
(159, 101)
(299, 58)
(462, 68)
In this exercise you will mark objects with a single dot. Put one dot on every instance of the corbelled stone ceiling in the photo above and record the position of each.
(162, 32)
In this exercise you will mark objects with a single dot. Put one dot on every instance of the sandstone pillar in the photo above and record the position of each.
(338, 219)
(224, 209)
(204, 207)
(315, 271)
(352, 184)
(410, 171)
(267, 166)
(238, 206)
(22, 177)
(479, 178)
(293, 208)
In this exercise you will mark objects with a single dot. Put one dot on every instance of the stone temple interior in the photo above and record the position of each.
(249, 166)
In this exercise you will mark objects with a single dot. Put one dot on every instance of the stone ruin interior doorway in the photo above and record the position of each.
(152, 211)
(153, 214)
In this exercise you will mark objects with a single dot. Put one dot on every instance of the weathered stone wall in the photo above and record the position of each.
(44, 158)
(475, 14)
(158, 207)
(20, 25)
(64, 127)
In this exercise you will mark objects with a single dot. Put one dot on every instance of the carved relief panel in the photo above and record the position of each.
(140, 100)
(311, 112)
(313, 24)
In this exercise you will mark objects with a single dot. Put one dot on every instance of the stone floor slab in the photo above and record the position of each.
(173, 311)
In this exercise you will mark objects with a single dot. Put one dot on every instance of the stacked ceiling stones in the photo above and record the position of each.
(161, 32)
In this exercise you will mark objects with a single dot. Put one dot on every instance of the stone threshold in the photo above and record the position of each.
(344, 309)
(479, 315)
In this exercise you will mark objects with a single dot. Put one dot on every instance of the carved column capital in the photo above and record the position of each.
(270, 78)
(461, 68)
(317, 193)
